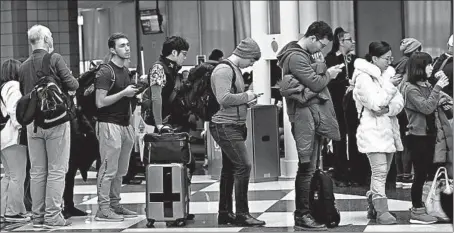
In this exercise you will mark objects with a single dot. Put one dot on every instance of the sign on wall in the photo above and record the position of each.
(151, 21)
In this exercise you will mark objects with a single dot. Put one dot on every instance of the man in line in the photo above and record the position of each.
(48, 148)
(303, 59)
(228, 128)
(114, 130)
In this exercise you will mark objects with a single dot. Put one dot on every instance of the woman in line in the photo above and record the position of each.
(423, 107)
(13, 155)
(378, 102)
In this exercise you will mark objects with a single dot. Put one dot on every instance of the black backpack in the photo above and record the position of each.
(86, 94)
(47, 104)
(3, 119)
(198, 95)
(321, 199)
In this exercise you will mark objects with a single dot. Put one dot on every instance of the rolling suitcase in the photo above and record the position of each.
(167, 194)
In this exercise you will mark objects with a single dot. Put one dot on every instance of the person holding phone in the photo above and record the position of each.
(114, 130)
(228, 128)
(303, 60)
(421, 104)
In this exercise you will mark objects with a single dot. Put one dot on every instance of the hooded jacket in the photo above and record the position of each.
(372, 90)
(296, 61)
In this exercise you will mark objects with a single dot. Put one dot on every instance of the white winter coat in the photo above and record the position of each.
(372, 89)
(10, 95)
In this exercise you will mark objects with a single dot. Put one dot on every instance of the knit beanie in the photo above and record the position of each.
(409, 45)
(450, 41)
(248, 49)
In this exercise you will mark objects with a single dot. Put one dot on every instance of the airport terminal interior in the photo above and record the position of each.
(80, 35)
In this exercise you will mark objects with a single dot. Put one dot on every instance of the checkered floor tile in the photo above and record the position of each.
(272, 202)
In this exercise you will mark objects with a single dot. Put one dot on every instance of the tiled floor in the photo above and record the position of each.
(272, 202)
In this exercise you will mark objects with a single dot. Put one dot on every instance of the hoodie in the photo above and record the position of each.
(297, 62)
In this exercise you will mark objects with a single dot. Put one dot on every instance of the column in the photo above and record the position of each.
(308, 14)
(261, 69)
(289, 32)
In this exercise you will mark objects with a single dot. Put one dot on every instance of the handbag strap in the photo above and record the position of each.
(438, 174)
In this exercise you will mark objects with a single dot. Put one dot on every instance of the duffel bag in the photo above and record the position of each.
(167, 148)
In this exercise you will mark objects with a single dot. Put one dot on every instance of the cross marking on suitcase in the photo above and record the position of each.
(167, 196)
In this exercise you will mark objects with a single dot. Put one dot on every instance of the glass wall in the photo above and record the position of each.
(428, 22)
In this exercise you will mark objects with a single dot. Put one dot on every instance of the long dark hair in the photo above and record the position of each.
(339, 33)
(10, 71)
(377, 49)
(416, 67)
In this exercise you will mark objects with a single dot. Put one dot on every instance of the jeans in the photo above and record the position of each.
(380, 164)
(115, 146)
(14, 160)
(236, 166)
(303, 181)
(49, 157)
(403, 162)
(421, 150)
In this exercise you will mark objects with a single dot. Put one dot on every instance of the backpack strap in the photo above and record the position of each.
(444, 63)
(233, 85)
(176, 89)
(46, 66)
(113, 75)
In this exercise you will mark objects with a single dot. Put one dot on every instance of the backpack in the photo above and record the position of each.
(46, 104)
(86, 94)
(322, 200)
(3, 119)
(198, 95)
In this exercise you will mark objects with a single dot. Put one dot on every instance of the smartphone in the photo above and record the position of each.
(341, 66)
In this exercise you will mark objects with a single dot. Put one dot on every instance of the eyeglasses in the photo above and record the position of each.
(323, 45)
(389, 59)
(349, 39)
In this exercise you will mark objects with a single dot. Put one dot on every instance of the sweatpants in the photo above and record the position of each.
(115, 146)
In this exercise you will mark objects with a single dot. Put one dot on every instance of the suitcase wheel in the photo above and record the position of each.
(190, 217)
(150, 223)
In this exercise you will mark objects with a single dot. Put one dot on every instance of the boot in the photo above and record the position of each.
(383, 215)
(225, 195)
(225, 218)
(247, 220)
(371, 213)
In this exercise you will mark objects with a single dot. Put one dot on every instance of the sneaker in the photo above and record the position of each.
(420, 216)
(38, 223)
(17, 218)
(407, 183)
(120, 210)
(107, 215)
(57, 225)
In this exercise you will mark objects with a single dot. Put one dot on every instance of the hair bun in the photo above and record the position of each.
(368, 57)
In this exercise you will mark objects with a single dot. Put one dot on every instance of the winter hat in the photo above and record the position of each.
(248, 49)
(409, 45)
(450, 41)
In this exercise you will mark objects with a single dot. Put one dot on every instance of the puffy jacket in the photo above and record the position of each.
(372, 90)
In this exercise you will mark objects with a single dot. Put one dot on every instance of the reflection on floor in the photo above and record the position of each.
(272, 202)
